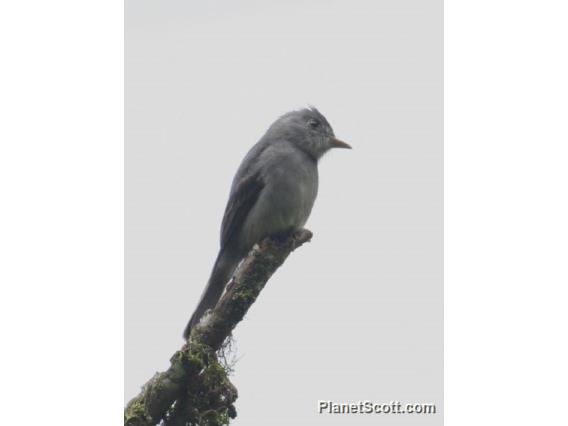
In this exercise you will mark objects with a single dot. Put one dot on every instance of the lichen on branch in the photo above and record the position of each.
(195, 389)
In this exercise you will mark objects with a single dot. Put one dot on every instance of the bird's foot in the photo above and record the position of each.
(301, 236)
(295, 237)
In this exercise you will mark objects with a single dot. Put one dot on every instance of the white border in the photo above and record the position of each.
(506, 193)
(61, 171)
(61, 174)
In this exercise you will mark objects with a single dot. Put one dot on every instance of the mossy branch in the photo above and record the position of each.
(195, 389)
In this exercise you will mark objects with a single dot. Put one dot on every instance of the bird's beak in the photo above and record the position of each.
(336, 143)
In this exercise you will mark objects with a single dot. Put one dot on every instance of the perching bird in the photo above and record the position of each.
(272, 193)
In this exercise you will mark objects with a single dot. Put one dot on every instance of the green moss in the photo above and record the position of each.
(204, 395)
(209, 395)
(135, 413)
(215, 418)
(196, 357)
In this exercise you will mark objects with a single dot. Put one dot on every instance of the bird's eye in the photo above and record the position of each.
(313, 123)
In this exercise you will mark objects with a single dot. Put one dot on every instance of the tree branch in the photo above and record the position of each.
(195, 389)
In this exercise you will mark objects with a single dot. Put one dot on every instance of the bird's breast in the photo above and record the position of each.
(293, 192)
(286, 200)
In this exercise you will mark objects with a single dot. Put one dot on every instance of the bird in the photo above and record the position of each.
(272, 194)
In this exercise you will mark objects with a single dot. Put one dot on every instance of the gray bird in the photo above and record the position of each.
(272, 193)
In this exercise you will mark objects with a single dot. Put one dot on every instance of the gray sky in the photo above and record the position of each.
(357, 313)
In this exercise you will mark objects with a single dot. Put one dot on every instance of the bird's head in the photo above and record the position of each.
(309, 130)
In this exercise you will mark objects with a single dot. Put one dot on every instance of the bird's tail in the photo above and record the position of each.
(222, 271)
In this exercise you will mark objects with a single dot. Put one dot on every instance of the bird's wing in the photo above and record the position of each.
(241, 201)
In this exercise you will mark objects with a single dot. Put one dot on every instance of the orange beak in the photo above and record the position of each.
(336, 143)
